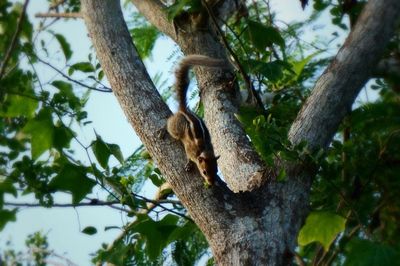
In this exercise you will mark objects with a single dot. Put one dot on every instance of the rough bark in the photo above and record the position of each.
(239, 163)
(337, 88)
(147, 112)
(252, 228)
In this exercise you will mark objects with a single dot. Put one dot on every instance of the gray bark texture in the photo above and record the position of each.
(257, 227)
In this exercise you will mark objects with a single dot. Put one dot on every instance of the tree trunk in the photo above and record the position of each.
(257, 227)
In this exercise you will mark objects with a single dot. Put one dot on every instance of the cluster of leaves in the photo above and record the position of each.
(359, 181)
(35, 123)
(354, 194)
(37, 254)
(39, 149)
(183, 6)
(338, 9)
(150, 242)
(143, 34)
(355, 208)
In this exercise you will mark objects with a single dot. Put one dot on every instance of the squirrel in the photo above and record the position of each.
(188, 127)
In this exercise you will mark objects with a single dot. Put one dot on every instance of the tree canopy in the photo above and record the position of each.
(348, 176)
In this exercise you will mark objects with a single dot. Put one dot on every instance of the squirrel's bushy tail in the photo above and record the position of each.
(182, 74)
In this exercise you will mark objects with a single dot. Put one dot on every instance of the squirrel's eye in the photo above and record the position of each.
(204, 172)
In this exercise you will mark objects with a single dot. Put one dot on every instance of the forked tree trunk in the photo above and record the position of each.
(257, 227)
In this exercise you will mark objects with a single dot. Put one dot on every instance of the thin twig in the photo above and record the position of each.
(93, 202)
(336, 251)
(59, 15)
(241, 70)
(105, 89)
(158, 200)
(158, 204)
(13, 43)
(299, 259)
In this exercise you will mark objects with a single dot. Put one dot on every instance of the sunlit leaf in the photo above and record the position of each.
(322, 227)
(145, 38)
(298, 66)
(41, 130)
(17, 105)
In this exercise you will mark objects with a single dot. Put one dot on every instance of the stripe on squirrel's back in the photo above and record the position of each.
(197, 127)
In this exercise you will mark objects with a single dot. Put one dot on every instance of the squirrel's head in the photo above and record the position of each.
(208, 167)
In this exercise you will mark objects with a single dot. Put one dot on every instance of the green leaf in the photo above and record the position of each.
(145, 39)
(83, 66)
(273, 71)
(263, 36)
(366, 253)
(282, 175)
(7, 186)
(298, 66)
(65, 47)
(72, 178)
(41, 130)
(156, 179)
(116, 151)
(183, 5)
(62, 137)
(322, 227)
(19, 106)
(7, 216)
(63, 86)
(102, 151)
(182, 232)
(89, 230)
(66, 94)
(156, 234)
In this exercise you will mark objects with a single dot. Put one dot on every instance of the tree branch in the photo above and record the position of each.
(146, 110)
(253, 94)
(220, 95)
(224, 9)
(158, 198)
(58, 15)
(93, 202)
(155, 13)
(104, 89)
(337, 88)
(13, 43)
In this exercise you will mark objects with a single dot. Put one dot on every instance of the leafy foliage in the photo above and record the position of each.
(354, 201)
(150, 238)
(180, 6)
(367, 253)
(36, 252)
(357, 178)
(144, 35)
